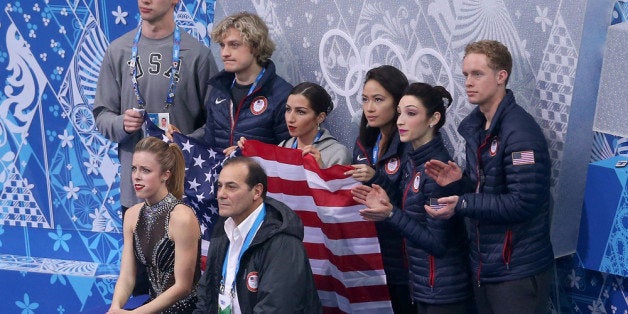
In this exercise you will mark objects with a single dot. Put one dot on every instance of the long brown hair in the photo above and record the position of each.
(169, 157)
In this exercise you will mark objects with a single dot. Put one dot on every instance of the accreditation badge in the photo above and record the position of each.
(161, 119)
(225, 310)
(224, 303)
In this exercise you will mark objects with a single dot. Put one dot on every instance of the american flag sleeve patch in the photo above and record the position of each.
(525, 157)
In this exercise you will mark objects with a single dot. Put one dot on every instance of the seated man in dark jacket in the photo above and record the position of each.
(505, 190)
(256, 261)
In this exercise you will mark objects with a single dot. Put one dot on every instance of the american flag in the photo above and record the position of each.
(435, 205)
(523, 158)
(343, 249)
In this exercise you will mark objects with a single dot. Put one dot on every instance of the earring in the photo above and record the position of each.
(431, 126)
(163, 180)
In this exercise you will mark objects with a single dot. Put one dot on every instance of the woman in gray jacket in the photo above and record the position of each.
(306, 108)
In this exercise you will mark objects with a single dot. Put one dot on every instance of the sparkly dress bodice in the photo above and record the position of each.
(154, 249)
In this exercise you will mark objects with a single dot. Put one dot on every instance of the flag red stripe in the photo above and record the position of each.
(337, 231)
(355, 262)
(340, 198)
(332, 310)
(353, 294)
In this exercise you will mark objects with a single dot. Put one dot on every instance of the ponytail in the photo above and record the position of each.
(170, 158)
(176, 181)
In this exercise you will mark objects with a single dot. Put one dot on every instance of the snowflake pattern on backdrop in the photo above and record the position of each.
(58, 174)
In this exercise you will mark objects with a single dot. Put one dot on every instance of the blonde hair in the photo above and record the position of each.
(254, 33)
(170, 158)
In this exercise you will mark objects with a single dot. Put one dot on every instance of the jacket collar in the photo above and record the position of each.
(394, 149)
(224, 79)
(475, 120)
(426, 151)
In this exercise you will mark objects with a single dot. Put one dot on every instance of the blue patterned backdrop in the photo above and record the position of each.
(60, 218)
(59, 212)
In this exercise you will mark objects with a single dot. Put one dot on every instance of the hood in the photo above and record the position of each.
(281, 219)
(326, 140)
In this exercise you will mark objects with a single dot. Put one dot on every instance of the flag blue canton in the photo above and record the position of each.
(202, 166)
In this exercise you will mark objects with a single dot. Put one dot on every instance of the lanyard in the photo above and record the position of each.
(176, 41)
(376, 149)
(257, 79)
(247, 242)
(318, 137)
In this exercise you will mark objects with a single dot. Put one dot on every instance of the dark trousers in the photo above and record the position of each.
(451, 308)
(526, 295)
(400, 299)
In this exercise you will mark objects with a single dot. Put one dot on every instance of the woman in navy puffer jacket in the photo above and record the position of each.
(436, 249)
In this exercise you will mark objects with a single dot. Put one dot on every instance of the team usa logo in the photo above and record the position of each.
(392, 166)
(252, 281)
(416, 183)
(259, 105)
(494, 144)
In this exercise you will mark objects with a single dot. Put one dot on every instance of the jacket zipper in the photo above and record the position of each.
(477, 240)
(480, 181)
(507, 248)
(432, 271)
(479, 169)
(234, 120)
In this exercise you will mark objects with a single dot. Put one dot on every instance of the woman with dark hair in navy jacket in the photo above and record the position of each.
(436, 249)
(378, 148)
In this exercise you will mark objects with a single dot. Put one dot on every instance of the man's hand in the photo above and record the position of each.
(446, 211)
(170, 130)
(229, 150)
(133, 120)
